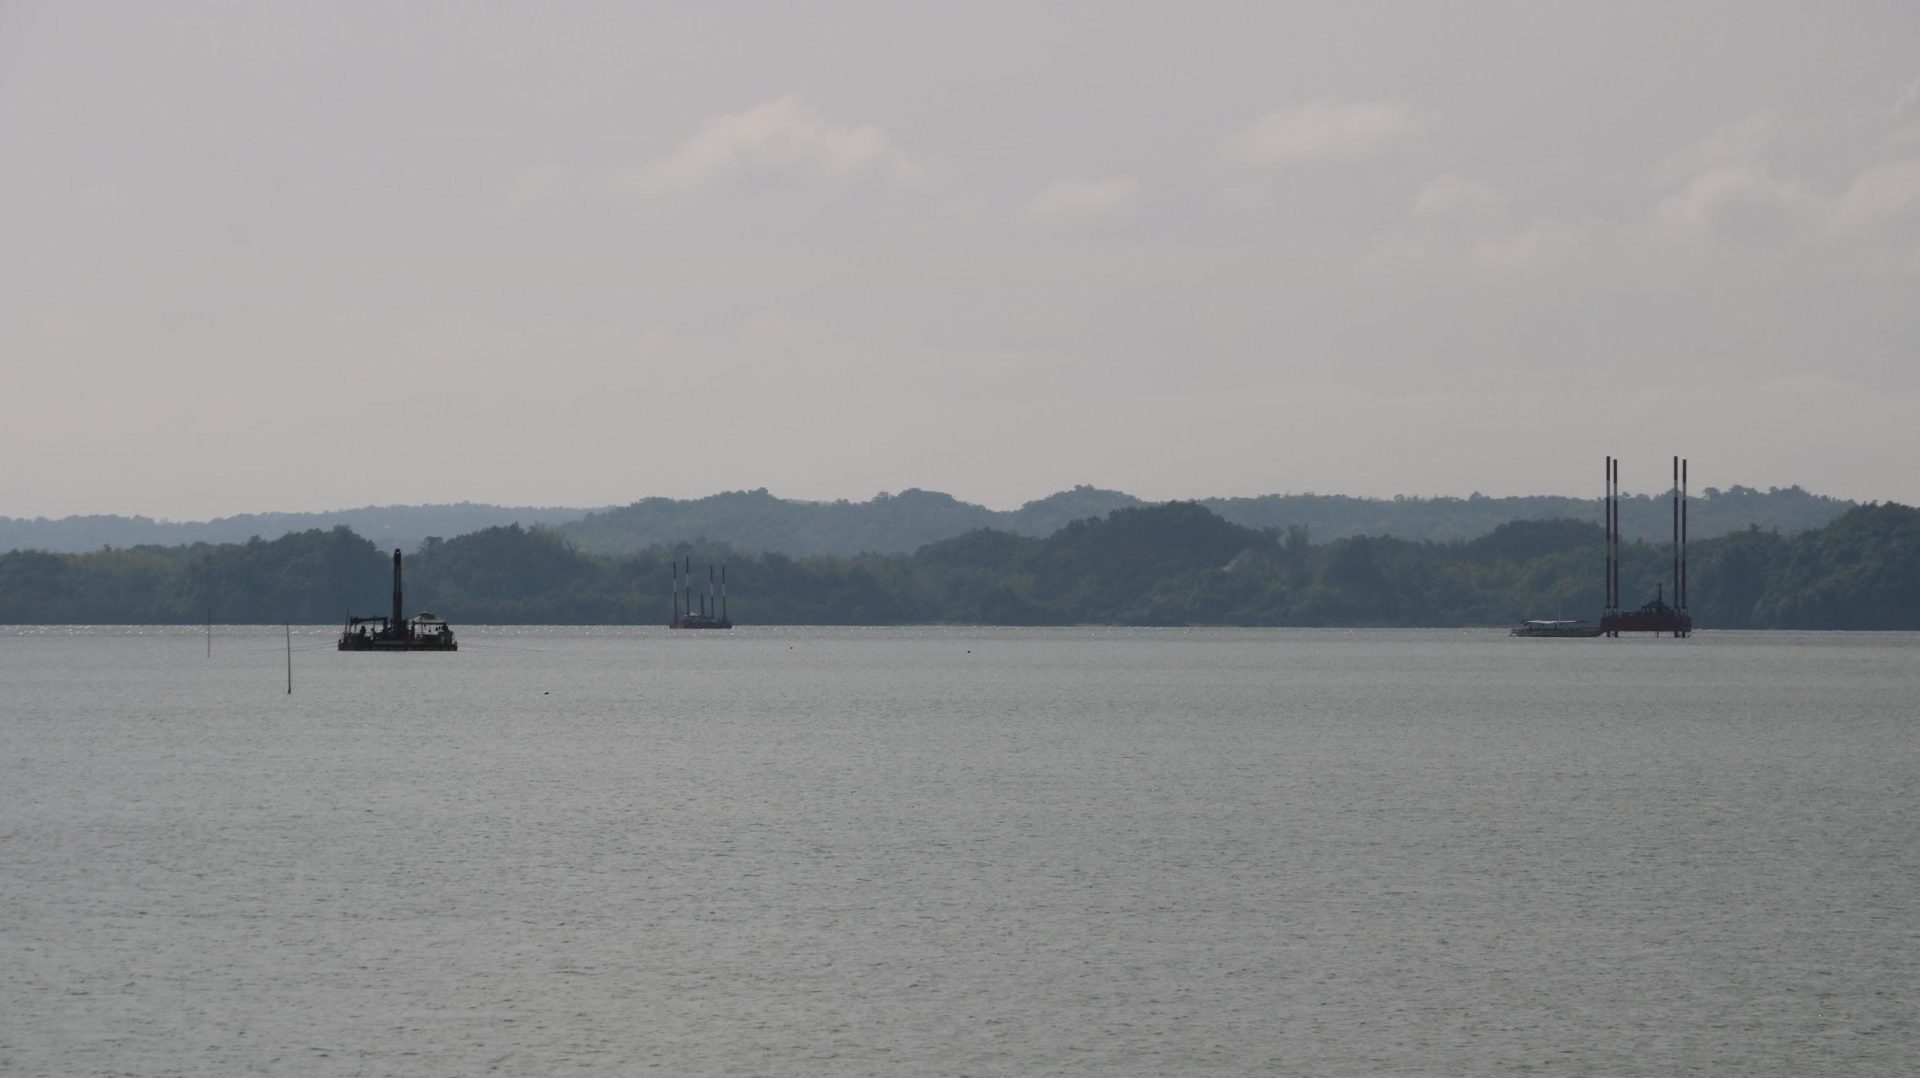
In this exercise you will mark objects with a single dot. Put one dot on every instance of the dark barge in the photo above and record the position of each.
(396, 632)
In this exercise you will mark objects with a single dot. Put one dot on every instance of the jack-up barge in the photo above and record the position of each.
(713, 607)
(1658, 615)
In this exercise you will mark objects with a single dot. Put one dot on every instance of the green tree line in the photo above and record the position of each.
(1172, 564)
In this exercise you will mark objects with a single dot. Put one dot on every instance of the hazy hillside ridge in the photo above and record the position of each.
(405, 526)
(1172, 564)
(755, 520)
(900, 523)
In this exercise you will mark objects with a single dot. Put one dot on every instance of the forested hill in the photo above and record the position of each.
(899, 523)
(1175, 564)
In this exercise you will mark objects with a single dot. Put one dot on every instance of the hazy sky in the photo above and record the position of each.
(302, 256)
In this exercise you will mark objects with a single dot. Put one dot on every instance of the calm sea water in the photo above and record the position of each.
(959, 852)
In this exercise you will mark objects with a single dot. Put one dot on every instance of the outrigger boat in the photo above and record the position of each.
(1556, 627)
(394, 632)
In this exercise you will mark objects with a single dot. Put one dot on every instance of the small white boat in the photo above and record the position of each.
(1556, 627)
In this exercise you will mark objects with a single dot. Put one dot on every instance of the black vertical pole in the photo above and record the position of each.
(1676, 529)
(289, 659)
(1613, 536)
(398, 625)
(1606, 512)
(1683, 535)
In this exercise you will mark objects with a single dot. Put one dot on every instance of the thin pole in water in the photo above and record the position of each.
(209, 632)
(289, 660)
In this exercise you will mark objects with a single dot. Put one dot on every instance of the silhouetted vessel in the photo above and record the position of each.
(713, 608)
(1656, 616)
(394, 632)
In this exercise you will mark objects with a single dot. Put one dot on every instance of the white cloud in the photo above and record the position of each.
(1073, 200)
(1746, 144)
(1323, 130)
(1882, 193)
(1737, 203)
(1906, 117)
(787, 138)
(1539, 243)
(1457, 202)
(1458, 223)
(1724, 186)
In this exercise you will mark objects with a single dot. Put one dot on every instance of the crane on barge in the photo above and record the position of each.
(395, 632)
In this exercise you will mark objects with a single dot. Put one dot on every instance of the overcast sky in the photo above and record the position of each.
(305, 256)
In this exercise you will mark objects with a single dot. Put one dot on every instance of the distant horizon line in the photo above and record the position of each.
(587, 509)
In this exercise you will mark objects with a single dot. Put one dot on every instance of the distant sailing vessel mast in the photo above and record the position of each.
(713, 607)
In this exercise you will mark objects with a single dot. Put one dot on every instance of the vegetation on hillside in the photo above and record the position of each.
(897, 524)
(405, 526)
(754, 520)
(1175, 564)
